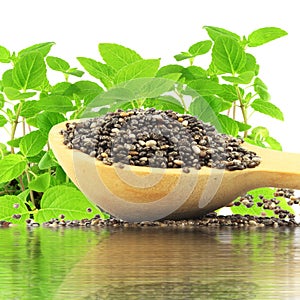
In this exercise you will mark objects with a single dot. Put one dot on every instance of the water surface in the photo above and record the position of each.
(150, 263)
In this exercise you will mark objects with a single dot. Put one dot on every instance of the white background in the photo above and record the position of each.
(161, 29)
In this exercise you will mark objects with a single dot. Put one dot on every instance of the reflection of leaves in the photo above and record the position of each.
(260, 245)
(35, 263)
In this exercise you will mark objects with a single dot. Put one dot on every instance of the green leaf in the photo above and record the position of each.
(264, 35)
(14, 94)
(29, 109)
(40, 183)
(33, 143)
(15, 142)
(228, 92)
(57, 64)
(273, 143)
(260, 131)
(46, 120)
(255, 210)
(13, 209)
(30, 71)
(172, 76)
(224, 105)
(243, 78)
(118, 56)
(260, 136)
(24, 194)
(148, 87)
(63, 89)
(267, 108)
(136, 89)
(12, 166)
(60, 175)
(87, 90)
(182, 56)
(74, 72)
(4, 55)
(261, 89)
(98, 70)
(165, 103)
(204, 110)
(47, 161)
(7, 79)
(243, 126)
(65, 200)
(3, 150)
(169, 69)
(206, 87)
(228, 125)
(3, 121)
(200, 48)
(215, 102)
(56, 103)
(35, 159)
(116, 94)
(2, 101)
(139, 69)
(42, 48)
(250, 64)
(228, 55)
(215, 32)
(194, 72)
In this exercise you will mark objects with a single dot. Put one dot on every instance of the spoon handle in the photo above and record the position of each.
(278, 169)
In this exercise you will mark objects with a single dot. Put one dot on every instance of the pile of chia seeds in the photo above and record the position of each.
(280, 218)
(159, 139)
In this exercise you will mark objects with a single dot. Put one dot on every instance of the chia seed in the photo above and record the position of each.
(159, 139)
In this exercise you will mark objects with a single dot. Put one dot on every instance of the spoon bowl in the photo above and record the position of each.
(135, 193)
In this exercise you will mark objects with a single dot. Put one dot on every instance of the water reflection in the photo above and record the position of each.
(150, 263)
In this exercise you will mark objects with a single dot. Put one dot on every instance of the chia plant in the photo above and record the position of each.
(32, 183)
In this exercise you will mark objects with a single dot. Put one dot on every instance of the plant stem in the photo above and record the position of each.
(30, 191)
(243, 108)
(22, 183)
(181, 100)
(234, 111)
(14, 125)
(8, 192)
(23, 126)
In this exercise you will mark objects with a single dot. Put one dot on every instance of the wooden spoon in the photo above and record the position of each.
(143, 193)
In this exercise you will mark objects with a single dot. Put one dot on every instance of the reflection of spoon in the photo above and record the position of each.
(137, 260)
(184, 263)
(143, 193)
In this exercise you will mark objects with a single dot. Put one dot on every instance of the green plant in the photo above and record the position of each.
(31, 180)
